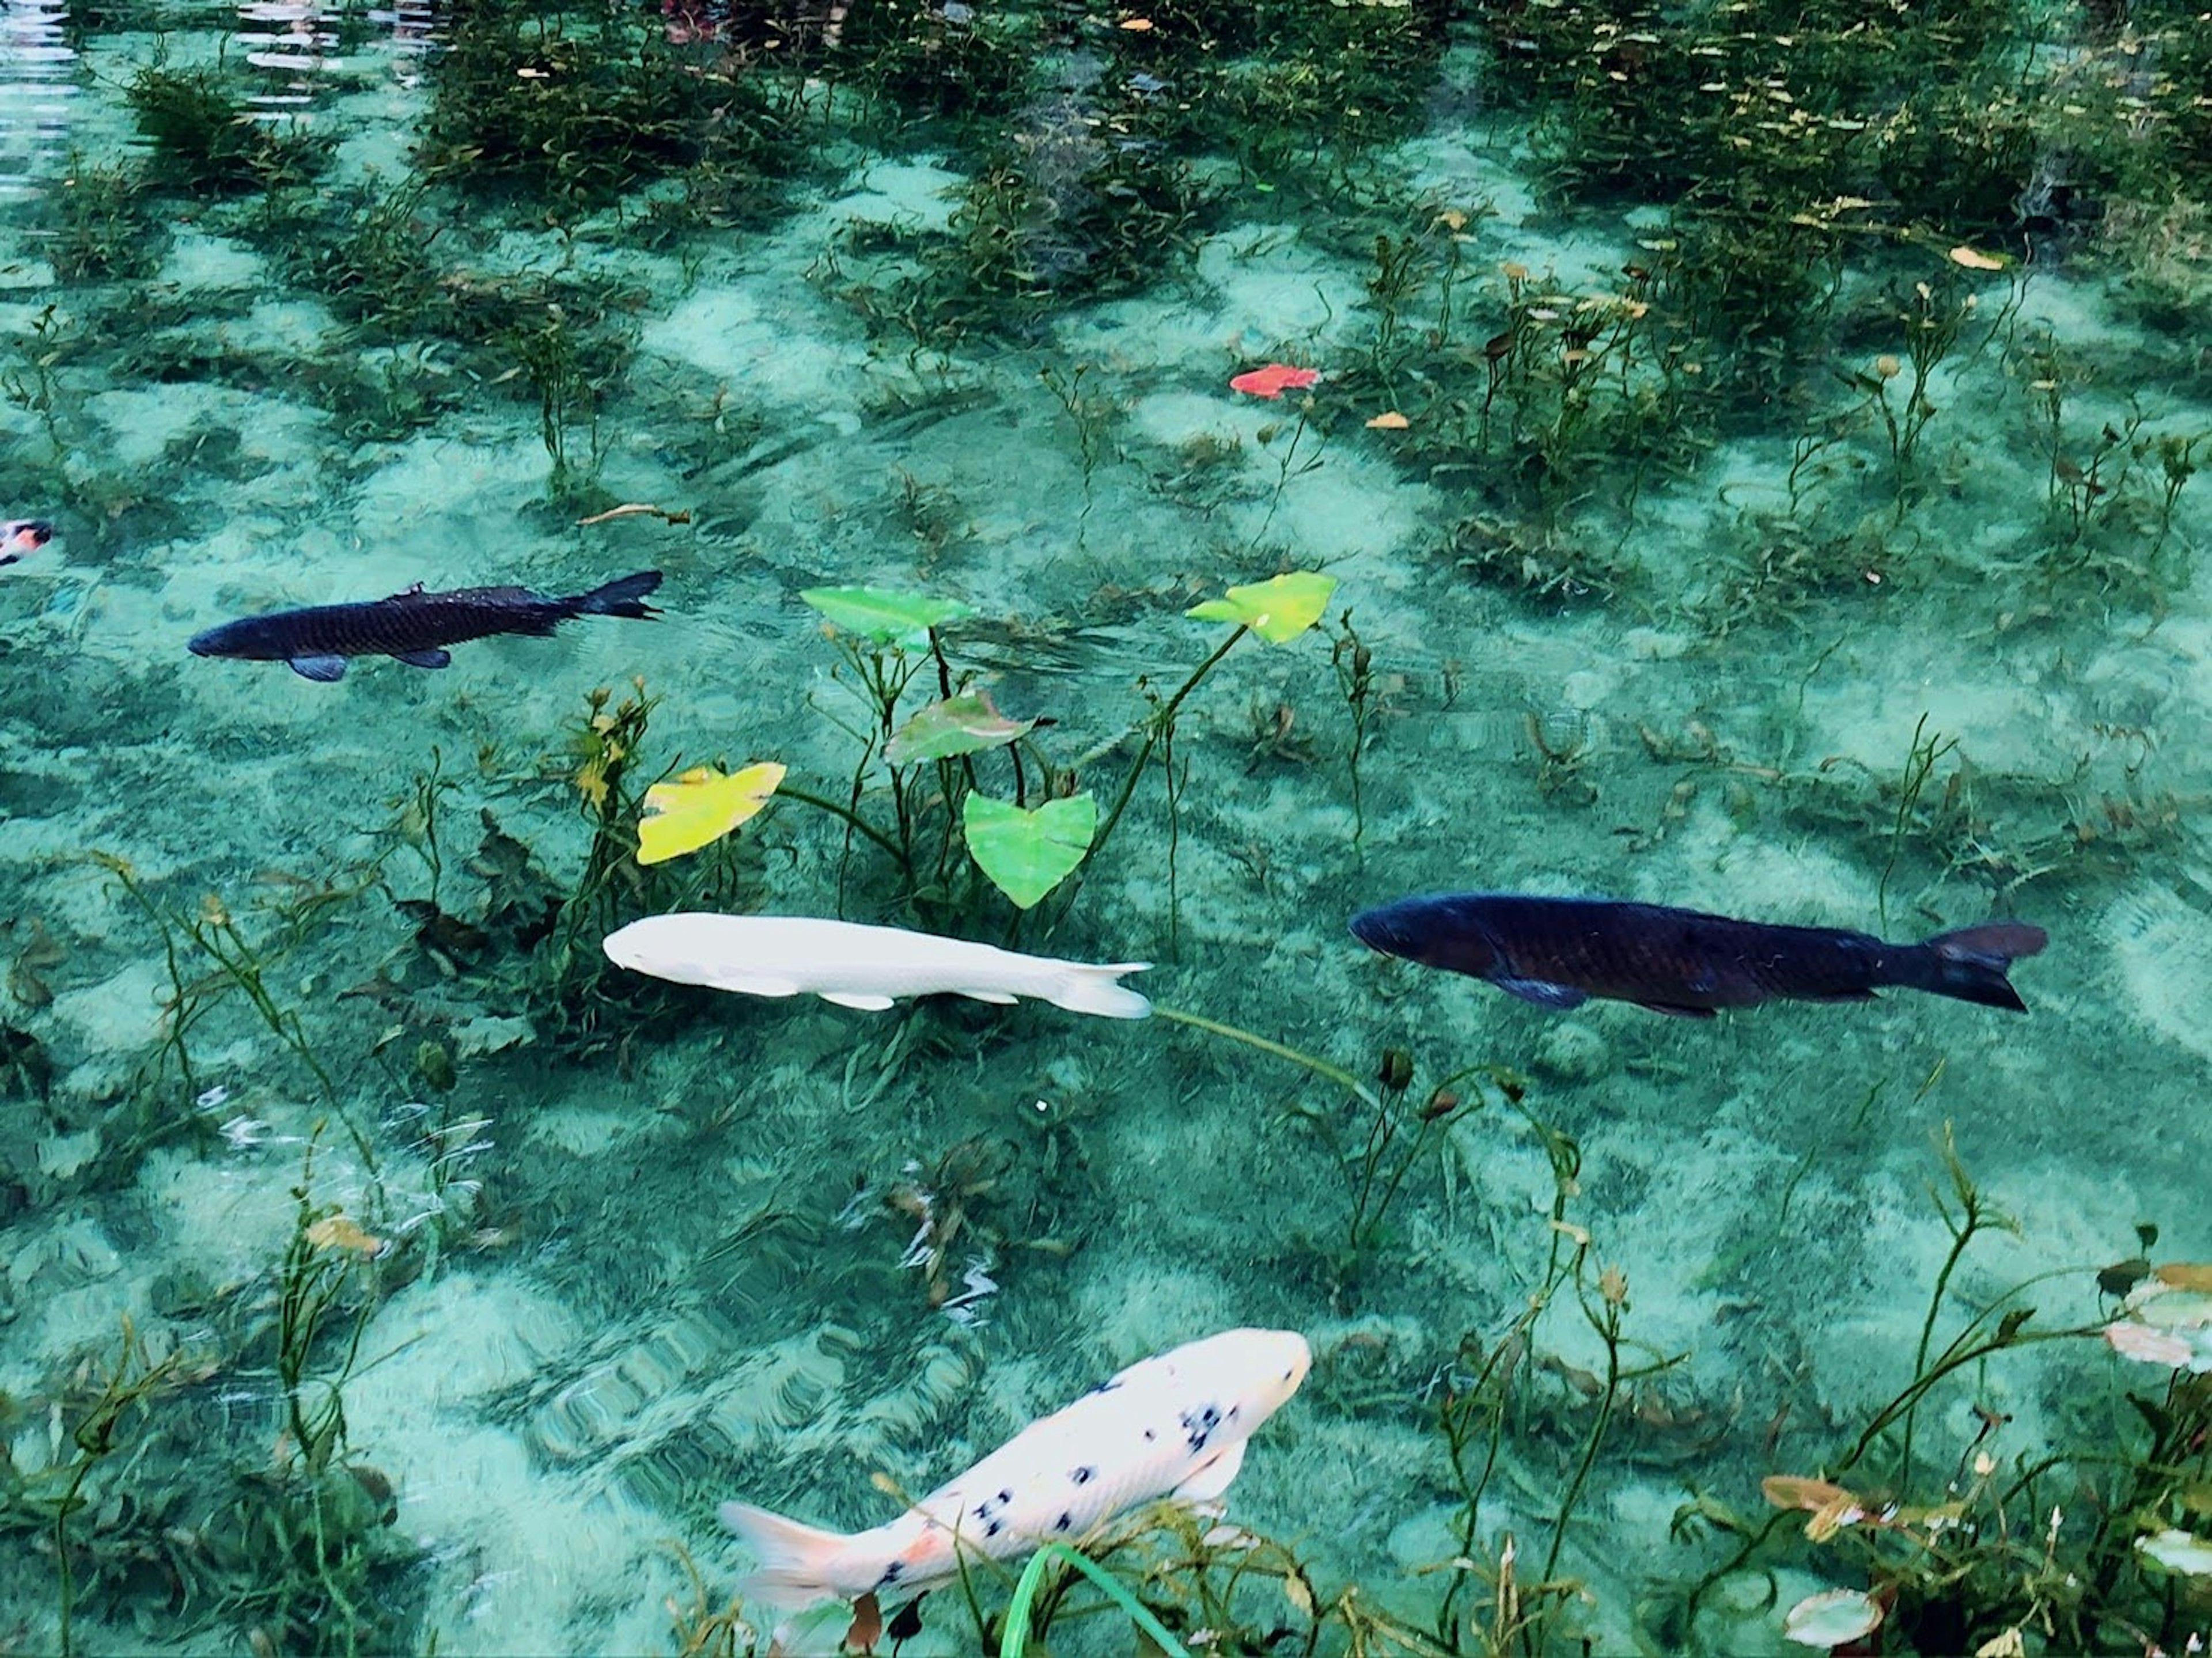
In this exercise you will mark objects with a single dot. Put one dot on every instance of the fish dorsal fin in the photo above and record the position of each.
(1211, 1483)
(324, 670)
(866, 1004)
(1543, 992)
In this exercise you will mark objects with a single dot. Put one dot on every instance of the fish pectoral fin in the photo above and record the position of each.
(1543, 992)
(425, 658)
(323, 669)
(996, 998)
(1211, 1483)
(866, 1004)
(1678, 1010)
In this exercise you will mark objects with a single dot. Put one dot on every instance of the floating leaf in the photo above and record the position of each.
(1389, 420)
(1028, 853)
(1273, 380)
(2184, 1274)
(2178, 1550)
(1277, 609)
(342, 1232)
(701, 807)
(1830, 1619)
(903, 619)
(1974, 259)
(966, 724)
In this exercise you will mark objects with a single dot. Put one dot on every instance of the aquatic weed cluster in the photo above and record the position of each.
(1683, 331)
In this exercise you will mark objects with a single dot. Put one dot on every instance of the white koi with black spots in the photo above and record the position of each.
(1175, 1425)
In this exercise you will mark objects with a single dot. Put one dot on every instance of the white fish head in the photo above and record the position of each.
(1258, 1369)
(685, 950)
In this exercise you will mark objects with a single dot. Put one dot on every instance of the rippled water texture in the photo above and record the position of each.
(1740, 458)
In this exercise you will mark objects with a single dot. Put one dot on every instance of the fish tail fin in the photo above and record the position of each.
(1969, 962)
(797, 1564)
(1082, 987)
(625, 597)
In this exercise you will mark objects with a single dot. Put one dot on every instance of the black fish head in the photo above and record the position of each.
(1434, 931)
(247, 637)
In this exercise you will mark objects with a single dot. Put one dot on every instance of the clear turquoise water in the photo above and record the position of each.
(644, 1253)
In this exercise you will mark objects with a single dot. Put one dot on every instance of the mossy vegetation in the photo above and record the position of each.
(579, 105)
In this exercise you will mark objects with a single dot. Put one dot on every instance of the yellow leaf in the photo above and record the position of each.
(1279, 609)
(2184, 1275)
(1389, 421)
(342, 1232)
(1973, 259)
(700, 808)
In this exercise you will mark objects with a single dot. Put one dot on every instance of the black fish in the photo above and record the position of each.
(1559, 952)
(414, 626)
(18, 535)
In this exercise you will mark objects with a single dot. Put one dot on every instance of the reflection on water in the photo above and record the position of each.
(295, 43)
(38, 90)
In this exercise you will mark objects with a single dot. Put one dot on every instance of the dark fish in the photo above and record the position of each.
(1559, 952)
(18, 535)
(415, 627)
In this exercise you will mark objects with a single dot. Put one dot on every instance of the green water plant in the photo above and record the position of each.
(103, 226)
(1932, 319)
(206, 141)
(2084, 1545)
(127, 1389)
(931, 779)
(580, 105)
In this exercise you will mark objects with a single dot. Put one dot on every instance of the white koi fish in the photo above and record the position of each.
(1172, 1425)
(857, 966)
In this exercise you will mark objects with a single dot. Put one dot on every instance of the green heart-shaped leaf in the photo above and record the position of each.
(903, 619)
(966, 724)
(1028, 853)
(1277, 609)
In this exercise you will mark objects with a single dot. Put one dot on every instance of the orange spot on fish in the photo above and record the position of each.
(1274, 380)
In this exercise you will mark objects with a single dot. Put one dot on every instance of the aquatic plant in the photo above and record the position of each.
(204, 139)
(944, 827)
(1092, 415)
(103, 228)
(569, 374)
(2000, 1547)
(580, 105)
(1932, 325)
(127, 1387)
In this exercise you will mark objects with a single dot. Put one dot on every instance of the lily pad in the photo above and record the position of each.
(966, 724)
(1277, 609)
(1830, 1619)
(700, 808)
(902, 619)
(1028, 853)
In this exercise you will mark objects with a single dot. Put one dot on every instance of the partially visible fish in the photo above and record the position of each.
(1174, 1425)
(414, 626)
(21, 536)
(858, 965)
(1559, 952)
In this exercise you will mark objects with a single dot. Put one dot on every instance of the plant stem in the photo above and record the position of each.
(1319, 1067)
(851, 818)
(1153, 724)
